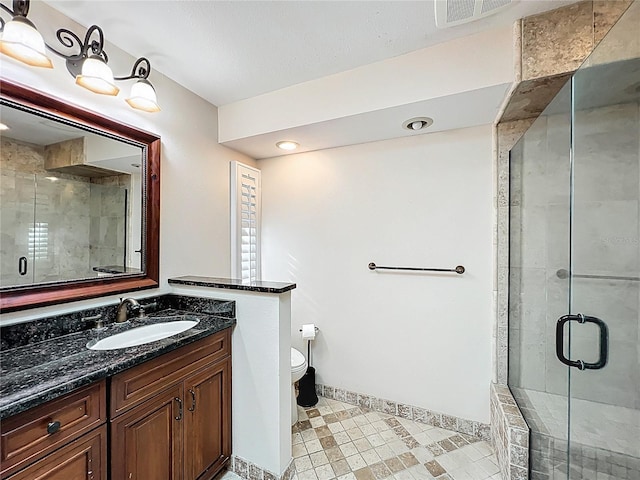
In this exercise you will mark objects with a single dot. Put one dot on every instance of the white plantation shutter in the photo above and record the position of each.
(245, 222)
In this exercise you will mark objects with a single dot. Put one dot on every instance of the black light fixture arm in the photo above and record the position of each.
(68, 39)
(141, 69)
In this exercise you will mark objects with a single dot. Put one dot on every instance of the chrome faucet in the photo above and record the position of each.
(121, 313)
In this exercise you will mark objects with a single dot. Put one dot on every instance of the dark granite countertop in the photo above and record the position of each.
(233, 284)
(38, 372)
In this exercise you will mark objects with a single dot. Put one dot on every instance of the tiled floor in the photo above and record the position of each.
(338, 440)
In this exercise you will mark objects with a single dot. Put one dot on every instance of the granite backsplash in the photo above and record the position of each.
(45, 328)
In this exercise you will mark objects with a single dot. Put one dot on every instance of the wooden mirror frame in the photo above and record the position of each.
(21, 298)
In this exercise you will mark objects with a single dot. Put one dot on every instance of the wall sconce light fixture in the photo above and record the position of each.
(20, 40)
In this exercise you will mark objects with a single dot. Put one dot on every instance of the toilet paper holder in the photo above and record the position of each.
(315, 328)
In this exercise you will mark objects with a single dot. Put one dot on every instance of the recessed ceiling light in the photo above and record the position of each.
(287, 145)
(417, 123)
(3, 126)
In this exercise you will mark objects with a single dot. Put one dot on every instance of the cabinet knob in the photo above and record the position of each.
(53, 427)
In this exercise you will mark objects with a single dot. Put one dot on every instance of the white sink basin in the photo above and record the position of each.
(142, 335)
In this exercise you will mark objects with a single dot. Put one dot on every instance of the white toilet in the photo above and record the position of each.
(298, 369)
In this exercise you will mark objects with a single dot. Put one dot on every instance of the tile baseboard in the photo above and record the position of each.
(417, 414)
(250, 471)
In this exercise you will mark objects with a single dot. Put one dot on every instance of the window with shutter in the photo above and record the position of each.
(245, 222)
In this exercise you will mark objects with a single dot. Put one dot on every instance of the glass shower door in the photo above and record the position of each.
(600, 338)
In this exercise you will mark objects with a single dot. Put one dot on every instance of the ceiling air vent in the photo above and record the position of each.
(456, 12)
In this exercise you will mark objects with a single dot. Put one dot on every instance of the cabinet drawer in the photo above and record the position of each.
(83, 459)
(26, 437)
(139, 383)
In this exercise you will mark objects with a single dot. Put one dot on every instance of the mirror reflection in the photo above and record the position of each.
(70, 202)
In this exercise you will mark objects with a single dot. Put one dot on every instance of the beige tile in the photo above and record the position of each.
(303, 463)
(330, 418)
(309, 435)
(420, 472)
(447, 445)
(341, 438)
(319, 458)
(380, 426)
(394, 464)
(356, 461)
(340, 467)
(326, 410)
(361, 420)
(388, 435)
(334, 454)
(325, 472)
(398, 446)
(364, 474)
(348, 424)
(380, 470)
(298, 450)
(368, 429)
(328, 442)
(303, 425)
(348, 449)
(370, 457)
(307, 475)
(316, 421)
(405, 475)
(336, 427)
(376, 440)
(422, 454)
(342, 414)
(385, 452)
(313, 446)
(435, 468)
(408, 459)
(323, 431)
(348, 476)
(355, 433)
(296, 438)
(362, 444)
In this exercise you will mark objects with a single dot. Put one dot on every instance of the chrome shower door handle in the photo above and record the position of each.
(604, 342)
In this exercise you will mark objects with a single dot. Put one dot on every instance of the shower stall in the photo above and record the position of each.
(574, 269)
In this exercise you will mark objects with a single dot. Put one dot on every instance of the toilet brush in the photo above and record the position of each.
(307, 396)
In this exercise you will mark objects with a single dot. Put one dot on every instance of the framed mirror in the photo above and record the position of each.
(79, 202)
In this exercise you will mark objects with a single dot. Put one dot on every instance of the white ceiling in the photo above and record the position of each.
(226, 51)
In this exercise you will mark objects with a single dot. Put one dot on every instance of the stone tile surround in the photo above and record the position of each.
(421, 415)
(510, 434)
(250, 471)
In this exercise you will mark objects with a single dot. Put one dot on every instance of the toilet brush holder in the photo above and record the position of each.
(307, 396)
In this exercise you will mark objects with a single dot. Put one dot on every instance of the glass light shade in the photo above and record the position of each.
(21, 40)
(97, 76)
(143, 97)
(287, 145)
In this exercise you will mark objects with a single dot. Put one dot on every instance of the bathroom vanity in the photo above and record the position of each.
(154, 411)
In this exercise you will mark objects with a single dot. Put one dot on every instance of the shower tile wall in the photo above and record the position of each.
(61, 218)
(107, 238)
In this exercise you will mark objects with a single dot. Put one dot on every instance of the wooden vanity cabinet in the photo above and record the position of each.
(173, 414)
(170, 419)
(58, 437)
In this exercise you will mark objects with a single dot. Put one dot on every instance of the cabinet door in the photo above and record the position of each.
(207, 420)
(146, 442)
(83, 459)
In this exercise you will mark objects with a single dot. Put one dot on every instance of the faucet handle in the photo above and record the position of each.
(99, 323)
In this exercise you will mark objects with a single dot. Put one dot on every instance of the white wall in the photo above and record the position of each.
(194, 220)
(421, 339)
